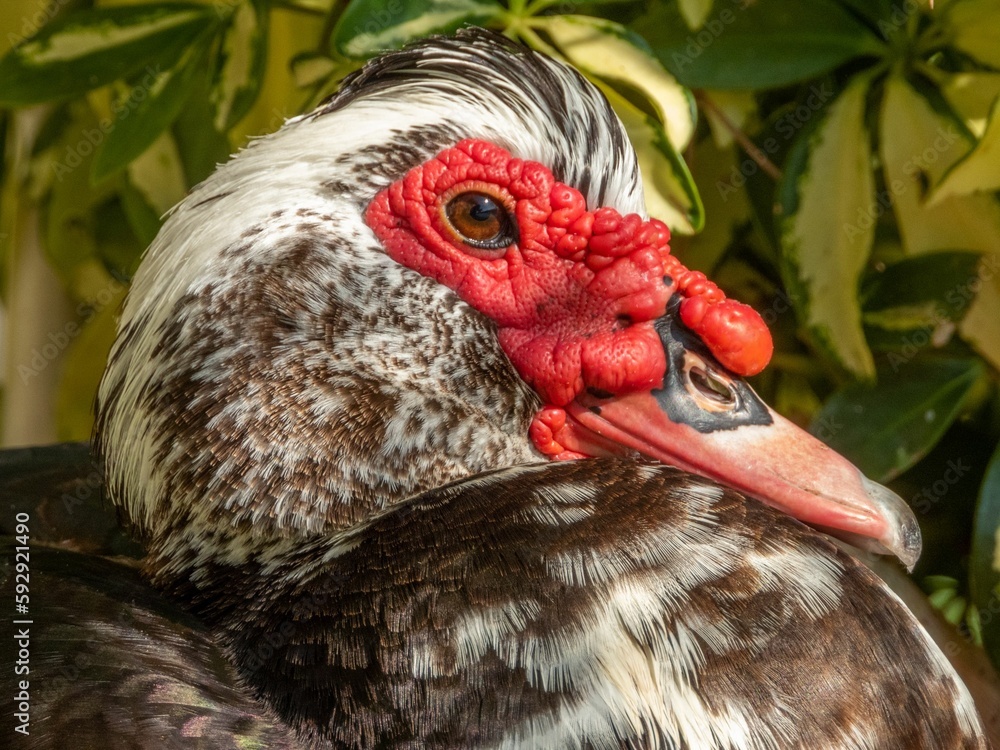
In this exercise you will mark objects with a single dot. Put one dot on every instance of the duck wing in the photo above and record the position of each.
(595, 603)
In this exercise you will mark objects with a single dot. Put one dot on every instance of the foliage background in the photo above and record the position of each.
(835, 163)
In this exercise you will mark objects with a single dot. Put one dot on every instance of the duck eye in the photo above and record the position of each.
(711, 387)
(480, 221)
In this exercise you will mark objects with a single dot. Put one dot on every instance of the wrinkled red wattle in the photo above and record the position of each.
(575, 298)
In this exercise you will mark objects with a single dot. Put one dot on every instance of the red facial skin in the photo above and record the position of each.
(575, 295)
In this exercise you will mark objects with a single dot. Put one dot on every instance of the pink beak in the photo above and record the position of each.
(710, 422)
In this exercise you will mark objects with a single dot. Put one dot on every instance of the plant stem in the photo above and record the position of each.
(769, 167)
(538, 6)
(535, 41)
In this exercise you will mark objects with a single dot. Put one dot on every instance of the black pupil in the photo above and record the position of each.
(483, 209)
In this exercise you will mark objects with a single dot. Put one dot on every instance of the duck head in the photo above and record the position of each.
(445, 269)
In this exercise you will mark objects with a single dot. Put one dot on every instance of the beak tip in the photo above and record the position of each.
(902, 537)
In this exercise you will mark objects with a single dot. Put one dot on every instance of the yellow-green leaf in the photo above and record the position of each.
(622, 59)
(977, 171)
(158, 174)
(68, 214)
(973, 25)
(150, 106)
(695, 12)
(972, 96)
(368, 27)
(671, 195)
(242, 63)
(984, 564)
(917, 146)
(155, 183)
(981, 326)
(85, 361)
(827, 196)
(725, 206)
(84, 50)
(309, 68)
(735, 106)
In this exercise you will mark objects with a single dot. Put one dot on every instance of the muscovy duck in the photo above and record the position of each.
(342, 374)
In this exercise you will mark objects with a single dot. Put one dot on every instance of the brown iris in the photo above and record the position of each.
(480, 220)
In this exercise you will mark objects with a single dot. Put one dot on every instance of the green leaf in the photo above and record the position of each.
(70, 246)
(917, 144)
(149, 109)
(671, 195)
(369, 27)
(17, 24)
(916, 302)
(726, 207)
(978, 170)
(117, 244)
(158, 175)
(309, 68)
(154, 184)
(827, 195)
(936, 279)
(623, 60)
(142, 217)
(200, 145)
(84, 364)
(242, 64)
(757, 45)
(972, 96)
(873, 10)
(972, 26)
(984, 565)
(92, 48)
(729, 111)
(887, 427)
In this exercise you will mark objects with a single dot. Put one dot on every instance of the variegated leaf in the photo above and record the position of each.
(977, 171)
(241, 65)
(369, 27)
(620, 57)
(917, 145)
(984, 566)
(671, 194)
(971, 95)
(827, 196)
(972, 26)
(147, 110)
(92, 48)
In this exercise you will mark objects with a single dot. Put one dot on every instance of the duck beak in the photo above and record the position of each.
(708, 421)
